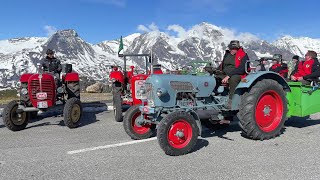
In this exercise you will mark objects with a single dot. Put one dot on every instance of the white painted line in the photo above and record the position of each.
(110, 146)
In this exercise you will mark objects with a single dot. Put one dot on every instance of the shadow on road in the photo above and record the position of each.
(301, 122)
(201, 143)
(2, 126)
(220, 130)
(88, 117)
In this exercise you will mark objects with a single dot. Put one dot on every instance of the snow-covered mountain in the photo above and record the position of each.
(298, 46)
(172, 49)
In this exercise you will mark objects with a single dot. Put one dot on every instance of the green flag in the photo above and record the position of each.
(120, 45)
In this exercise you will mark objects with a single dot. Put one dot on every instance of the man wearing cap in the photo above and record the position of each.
(262, 63)
(278, 66)
(309, 69)
(233, 66)
(51, 64)
(293, 65)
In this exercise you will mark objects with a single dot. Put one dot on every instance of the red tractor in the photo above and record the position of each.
(127, 85)
(41, 91)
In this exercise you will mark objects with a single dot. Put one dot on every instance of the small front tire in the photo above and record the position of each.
(12, 120)
(72, 112)
(177, 133)
(135, 131)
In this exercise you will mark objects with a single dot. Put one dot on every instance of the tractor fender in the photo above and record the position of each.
(117, 76)
(251, 80)
(196, 117)
(25, 77)
(72, 77)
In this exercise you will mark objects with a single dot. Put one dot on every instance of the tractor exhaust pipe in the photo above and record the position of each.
(207, 114)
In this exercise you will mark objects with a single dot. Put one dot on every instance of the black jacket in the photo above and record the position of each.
(52, 65)
(241, 69)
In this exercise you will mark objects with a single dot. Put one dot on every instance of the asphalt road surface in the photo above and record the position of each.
(100, 149)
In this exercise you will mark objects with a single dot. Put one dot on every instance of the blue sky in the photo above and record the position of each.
(98, 20)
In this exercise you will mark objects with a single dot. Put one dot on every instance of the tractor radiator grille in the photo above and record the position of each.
(149, 90)
(47, 86)
(181, 86)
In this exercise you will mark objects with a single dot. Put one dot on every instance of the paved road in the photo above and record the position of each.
(45, 150)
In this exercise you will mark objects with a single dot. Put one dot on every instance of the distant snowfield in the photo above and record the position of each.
(18, 44)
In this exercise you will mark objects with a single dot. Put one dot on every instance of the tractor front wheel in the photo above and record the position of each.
(117, 106)
(72, 112)
(177, 133)
(263, 110)
(12, 120)
(133, 129)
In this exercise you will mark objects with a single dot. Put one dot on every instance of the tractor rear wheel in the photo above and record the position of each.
(263, 110)
(177, 133)
(73, 90)
(117, 106)
(72, 112)
(12, 120)
(134, 130)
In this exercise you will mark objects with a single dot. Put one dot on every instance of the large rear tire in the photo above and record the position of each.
(11, 118)
(72, 112)
(136, 131)
(263, 110)
(177, 133)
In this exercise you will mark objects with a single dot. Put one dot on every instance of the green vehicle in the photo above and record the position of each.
(303, 100)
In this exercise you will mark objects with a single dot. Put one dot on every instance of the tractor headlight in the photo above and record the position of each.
(150, 103)
(24, 91)
(60, 90)
(142, 91)
(161, 92)
(18, 84)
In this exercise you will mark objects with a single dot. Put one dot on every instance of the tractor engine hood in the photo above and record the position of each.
(163, 88)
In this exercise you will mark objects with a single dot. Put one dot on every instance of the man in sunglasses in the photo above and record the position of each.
(233, 67)
(308, 70)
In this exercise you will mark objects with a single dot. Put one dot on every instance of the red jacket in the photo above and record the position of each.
(308, 69)
(240, 60)
(280, 68)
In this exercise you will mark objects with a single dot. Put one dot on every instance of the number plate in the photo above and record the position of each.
(42, 104)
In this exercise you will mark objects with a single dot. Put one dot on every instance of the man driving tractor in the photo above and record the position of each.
(52, 64)
(233, 67)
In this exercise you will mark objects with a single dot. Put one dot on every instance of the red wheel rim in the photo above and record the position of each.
(269, 111)
(139, 129)
(180, 134)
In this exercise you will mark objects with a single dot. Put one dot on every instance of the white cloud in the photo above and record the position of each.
(151, 27)
(50, 30)
(143, 28)
(181, 32)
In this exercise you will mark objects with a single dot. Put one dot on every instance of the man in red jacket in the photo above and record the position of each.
(233, 66)
(309, 69)
(278, 66)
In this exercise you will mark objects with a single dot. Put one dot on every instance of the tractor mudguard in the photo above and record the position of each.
(72, 77)
(250, 80)
(25, 77)
(117, 75)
